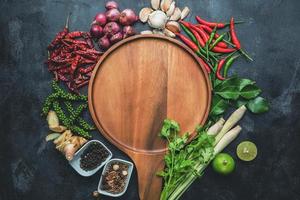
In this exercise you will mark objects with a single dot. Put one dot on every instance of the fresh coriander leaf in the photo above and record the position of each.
(161, 173)
(250, 91)
(258, 105)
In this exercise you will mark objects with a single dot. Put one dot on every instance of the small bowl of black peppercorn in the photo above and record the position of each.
(115, 177)
(90, 158)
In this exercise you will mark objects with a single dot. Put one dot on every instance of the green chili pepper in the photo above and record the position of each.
(211, 37)
(219, 39)
(228, 64)
(189, 33)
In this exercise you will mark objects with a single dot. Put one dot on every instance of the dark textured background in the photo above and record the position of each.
(30, 169)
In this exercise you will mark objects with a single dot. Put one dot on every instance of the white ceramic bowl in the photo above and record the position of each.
(130, 168)
(75, 162)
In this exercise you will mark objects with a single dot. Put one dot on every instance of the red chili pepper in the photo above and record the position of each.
(219, 68)
(210, 24)
(86, 70)
(75, 34)
(74, 65)
(223, 50)
(202, 33)
(234, 38)
(88, 38)
(188, 42)
(210, 30)
(205, 65)
(187, 24)
(78, 42)
(198, 37)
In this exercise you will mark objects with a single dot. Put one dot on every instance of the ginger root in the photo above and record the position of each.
(68, 144)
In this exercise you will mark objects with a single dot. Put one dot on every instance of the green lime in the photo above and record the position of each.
(223, 163)
(246, 151)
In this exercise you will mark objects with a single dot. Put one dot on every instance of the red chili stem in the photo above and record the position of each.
(219, 68)
(234, 38)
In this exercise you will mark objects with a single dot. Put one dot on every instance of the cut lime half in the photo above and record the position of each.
(246, 151)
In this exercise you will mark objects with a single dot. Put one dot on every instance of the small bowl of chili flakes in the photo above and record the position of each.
(115, 177)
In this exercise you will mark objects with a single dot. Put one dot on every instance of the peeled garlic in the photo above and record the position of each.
(144, 14)
(169, 33)
(157, 19)
(171, 9)
(52, 119)
(165, 5)
(185, 12)
(173, 26)
(146, 32)
(176, 15)
(155, 4)
(158, 32)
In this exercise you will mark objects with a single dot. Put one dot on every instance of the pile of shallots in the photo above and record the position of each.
(112, 26)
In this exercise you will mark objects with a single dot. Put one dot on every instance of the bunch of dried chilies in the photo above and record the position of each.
(72, 57)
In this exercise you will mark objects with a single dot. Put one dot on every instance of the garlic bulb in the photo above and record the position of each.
(157, 19)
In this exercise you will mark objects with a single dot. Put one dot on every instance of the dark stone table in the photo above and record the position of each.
(30, 169)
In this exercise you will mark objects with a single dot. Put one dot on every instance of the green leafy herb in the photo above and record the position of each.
(258, 105)
(219, 106)
(250, 91)
(182, 157)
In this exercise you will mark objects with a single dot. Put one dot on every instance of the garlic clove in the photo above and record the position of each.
(173, 26)
(176, 15)
(165, 5)
(146, 32)
(58, 129)
(155, 4)
(185, 12)
(144, 14)
(169, 33)
(171, 9)
(158, 32)
(157, 19)
(52, 136)
(52, 119)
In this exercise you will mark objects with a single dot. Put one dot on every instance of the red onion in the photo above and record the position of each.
(128, 31)
(111, 28)
(96, 31)
(127, 17)
(111, 4)
(104, 42)
(112, 15)
(100, 19)
(116, 37)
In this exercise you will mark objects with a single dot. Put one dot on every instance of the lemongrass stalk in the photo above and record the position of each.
(231, 122)
(216, 128)
(227, 139)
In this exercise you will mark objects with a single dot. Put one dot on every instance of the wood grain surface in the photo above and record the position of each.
(136, 85)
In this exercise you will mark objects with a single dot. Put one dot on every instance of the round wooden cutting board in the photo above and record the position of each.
(135, 86)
